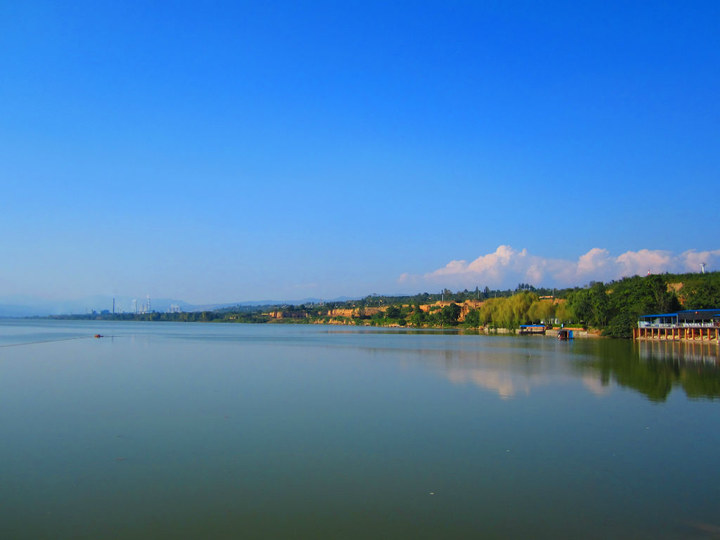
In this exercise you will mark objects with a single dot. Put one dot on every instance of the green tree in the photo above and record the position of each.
(621, 325)
(541, 311)
(449, 315)
(520, 306)
(472, 319)
(564, 313)
(600, 305)
(579, 302)
(705, 295)
(662, 300)
(418, 318)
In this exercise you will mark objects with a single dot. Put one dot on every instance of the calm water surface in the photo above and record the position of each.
(163, 430)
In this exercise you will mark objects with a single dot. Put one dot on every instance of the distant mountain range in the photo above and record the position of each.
(27, 306)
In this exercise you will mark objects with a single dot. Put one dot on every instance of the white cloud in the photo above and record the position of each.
(594, 261)
(692, 259)
(634, 263)
(505, 267)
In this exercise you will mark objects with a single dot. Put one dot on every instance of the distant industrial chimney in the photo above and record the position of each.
(702, 267)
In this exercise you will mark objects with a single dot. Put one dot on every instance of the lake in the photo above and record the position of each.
(182, 430)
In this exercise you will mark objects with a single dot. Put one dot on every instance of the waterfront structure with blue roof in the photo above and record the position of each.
(689, 324)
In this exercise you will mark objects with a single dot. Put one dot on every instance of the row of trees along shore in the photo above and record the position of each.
(612, 307)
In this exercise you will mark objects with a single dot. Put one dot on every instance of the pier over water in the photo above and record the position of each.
(687, 325)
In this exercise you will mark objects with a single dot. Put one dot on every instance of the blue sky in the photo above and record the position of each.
(226, 151)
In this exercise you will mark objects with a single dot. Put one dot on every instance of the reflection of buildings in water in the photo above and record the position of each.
(665, 351)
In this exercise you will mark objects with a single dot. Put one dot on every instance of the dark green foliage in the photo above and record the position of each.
(472, 319)
(591, 306)
(702, 296)
(617, 305)
(600, 303)
(579, 302)
(621, 326)
(418, 317)
(635, 296)
(449, 315)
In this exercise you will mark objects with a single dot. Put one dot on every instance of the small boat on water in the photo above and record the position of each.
(564, 335)
(98, 336)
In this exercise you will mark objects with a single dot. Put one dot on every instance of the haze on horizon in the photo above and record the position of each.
(239, 151)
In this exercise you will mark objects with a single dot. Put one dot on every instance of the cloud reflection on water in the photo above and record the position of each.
(504, 384)
(596, 386)
(506, 366)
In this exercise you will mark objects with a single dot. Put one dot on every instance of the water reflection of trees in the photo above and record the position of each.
(655, 368)
(515, 366)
